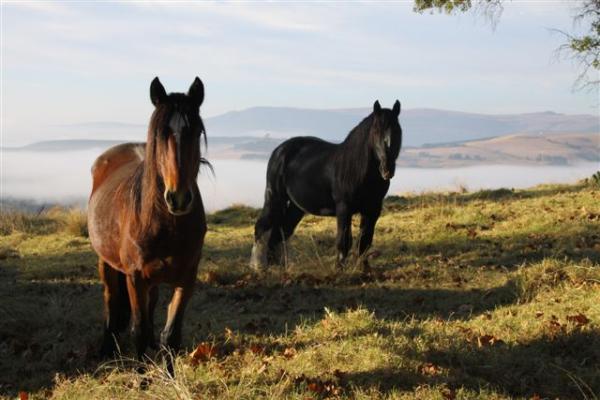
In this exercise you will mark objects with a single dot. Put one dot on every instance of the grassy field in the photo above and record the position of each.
(487, 295)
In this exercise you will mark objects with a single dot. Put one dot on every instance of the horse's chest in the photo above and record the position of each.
(167, 256)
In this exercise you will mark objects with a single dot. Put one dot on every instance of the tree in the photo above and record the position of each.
(585, 48)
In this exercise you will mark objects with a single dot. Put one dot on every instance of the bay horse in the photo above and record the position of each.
(146, 220)
(307, 175)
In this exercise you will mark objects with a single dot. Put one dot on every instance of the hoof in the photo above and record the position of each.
(258, 258)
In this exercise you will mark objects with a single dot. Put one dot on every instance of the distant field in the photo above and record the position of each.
(555, 149)
(484, 295)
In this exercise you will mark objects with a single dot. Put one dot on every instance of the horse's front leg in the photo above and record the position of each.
(138, 288)
(367, 229)
(170, 337)
(344, 234)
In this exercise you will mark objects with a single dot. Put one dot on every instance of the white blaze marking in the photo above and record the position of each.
(177, 122)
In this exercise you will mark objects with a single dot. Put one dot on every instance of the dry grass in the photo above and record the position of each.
(486, 295)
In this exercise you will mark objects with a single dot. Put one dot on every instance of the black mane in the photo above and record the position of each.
(353, 156)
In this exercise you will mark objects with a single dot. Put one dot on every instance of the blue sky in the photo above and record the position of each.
(78, 62)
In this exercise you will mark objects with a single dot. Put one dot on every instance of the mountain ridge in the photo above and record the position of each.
(420, 125)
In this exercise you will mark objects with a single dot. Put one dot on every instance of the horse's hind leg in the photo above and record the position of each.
(262, 233)
(138, 291)
(344, 233)
(116, 307)
(122, 309)
(268, 222)
(291, 218)
(153, 299)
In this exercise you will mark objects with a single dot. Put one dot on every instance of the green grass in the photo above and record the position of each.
(485, 295)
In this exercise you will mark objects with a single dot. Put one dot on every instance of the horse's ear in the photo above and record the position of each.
(396, 108)
(376, 106)
(157, 92)
(196, 92)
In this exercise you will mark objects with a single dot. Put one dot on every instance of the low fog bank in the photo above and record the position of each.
(64, 178)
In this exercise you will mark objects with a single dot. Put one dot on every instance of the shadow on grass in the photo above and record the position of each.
(286, 306)
(562, 366)
(506, 251)
(46, 328)
(51, 321)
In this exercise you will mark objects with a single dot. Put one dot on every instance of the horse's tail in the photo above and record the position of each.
(275, 189)
(273, 207)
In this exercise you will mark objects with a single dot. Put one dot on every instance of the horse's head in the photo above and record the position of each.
(174, 142)
(386, 138)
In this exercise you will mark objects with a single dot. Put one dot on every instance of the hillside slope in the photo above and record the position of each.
(422, 125)
(487, 295)
(518, 149)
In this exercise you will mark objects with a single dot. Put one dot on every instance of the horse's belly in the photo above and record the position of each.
(316, 202)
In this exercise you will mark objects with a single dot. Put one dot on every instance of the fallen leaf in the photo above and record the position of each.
(23, 396)
(203, 352)
(289, 352)
(429, 369)
(578, 319)
(211, 277)
(257, 349)
(316, 387)
(488, 340)
(448, 394)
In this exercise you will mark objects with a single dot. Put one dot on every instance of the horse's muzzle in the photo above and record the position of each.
(179, 202)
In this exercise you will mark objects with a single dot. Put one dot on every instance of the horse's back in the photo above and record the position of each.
(110, 170)
(113, 159)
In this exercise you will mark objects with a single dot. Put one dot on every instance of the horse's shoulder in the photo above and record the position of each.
(114, 158)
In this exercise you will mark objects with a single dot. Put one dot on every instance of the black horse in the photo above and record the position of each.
(310, 175)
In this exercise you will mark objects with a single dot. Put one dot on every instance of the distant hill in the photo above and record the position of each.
(66, 145)
(421, 126)
(520, 149)
(89, 144)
